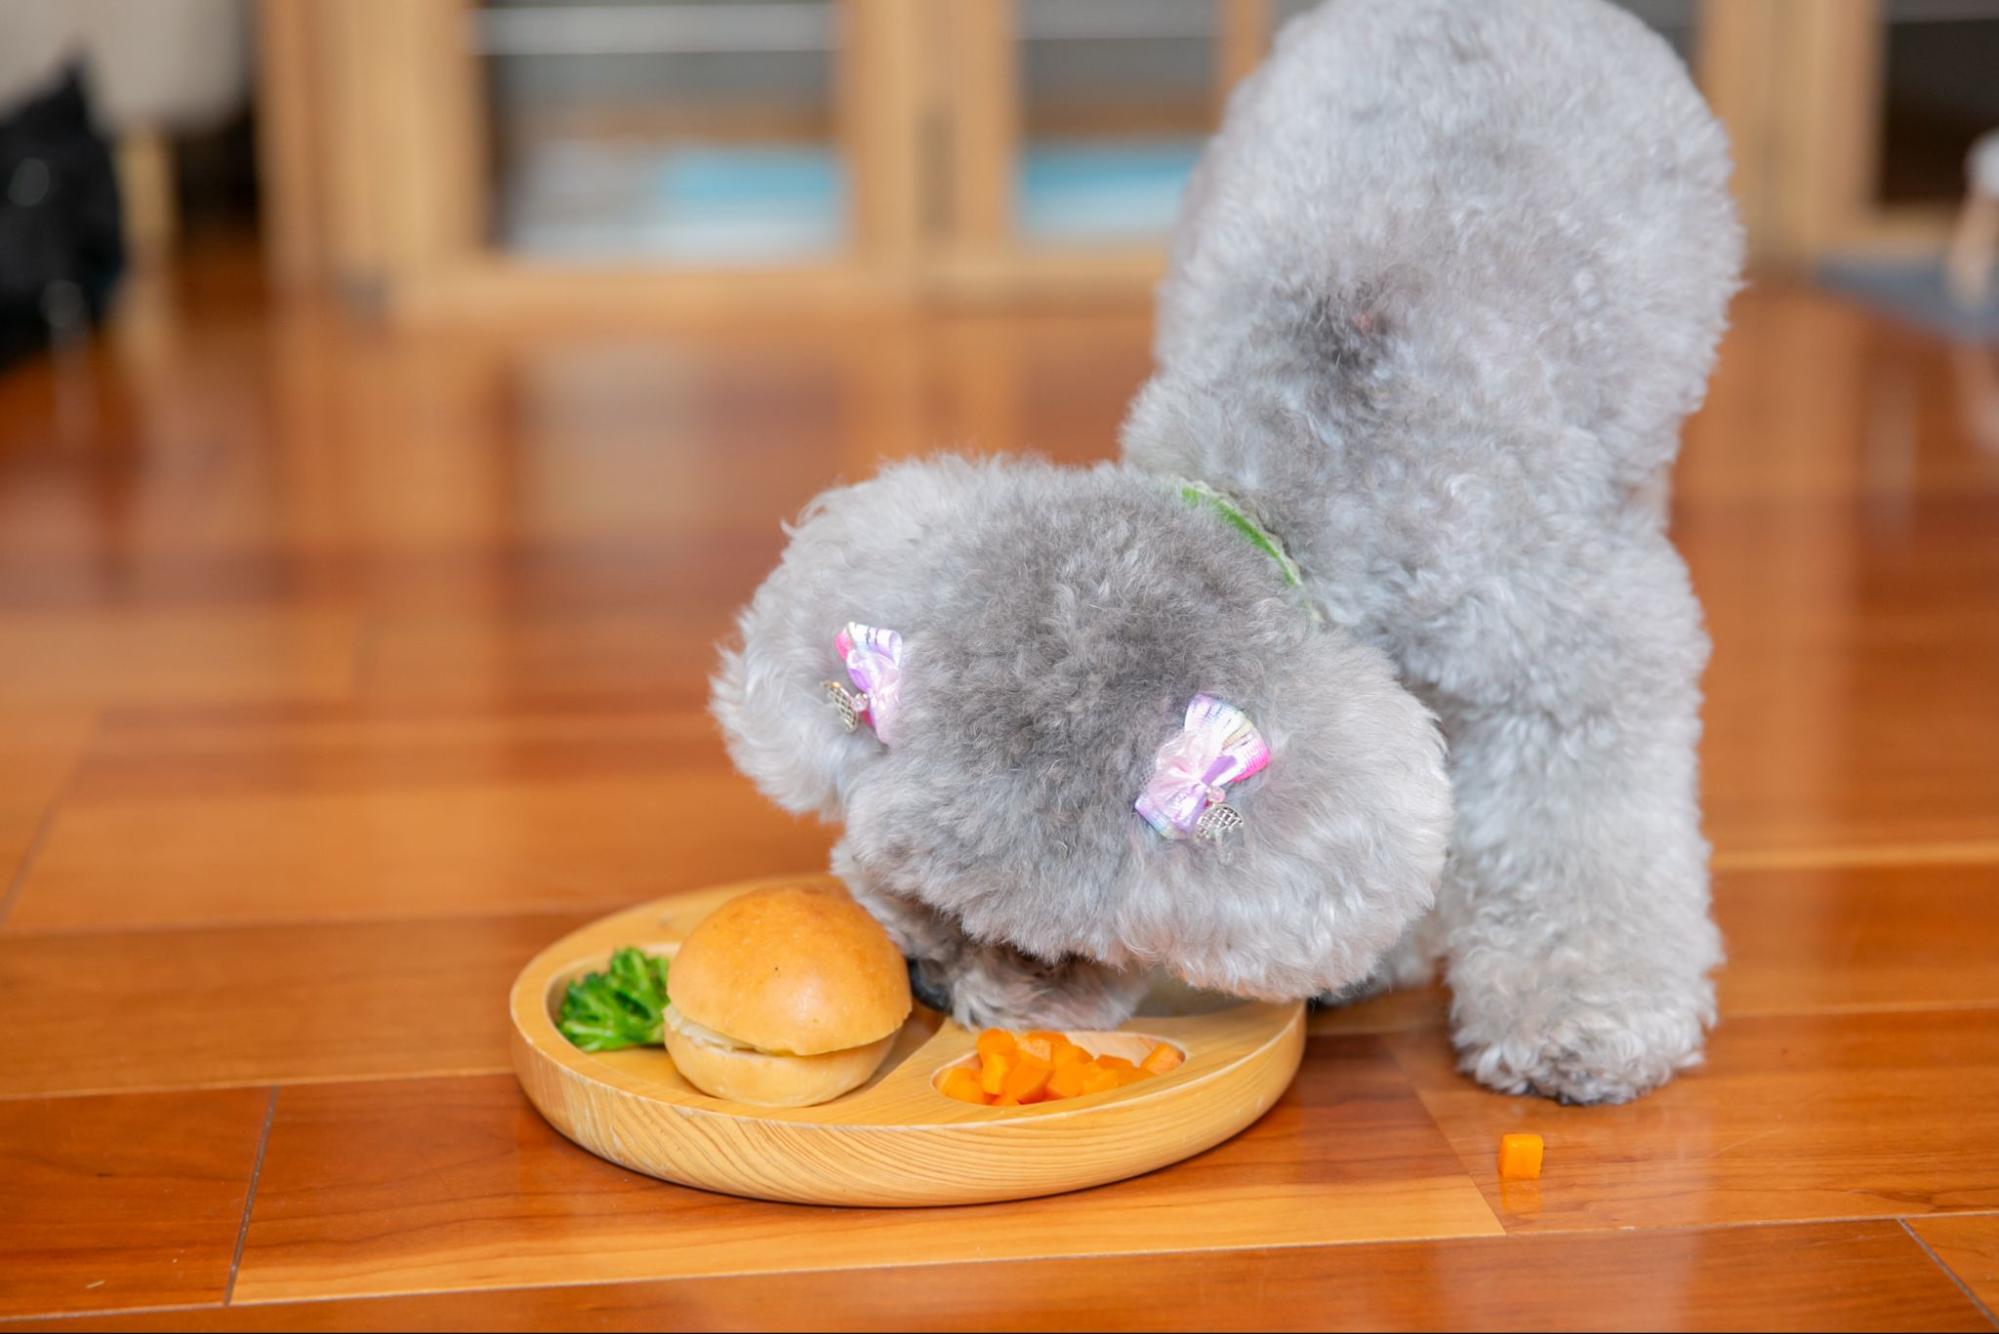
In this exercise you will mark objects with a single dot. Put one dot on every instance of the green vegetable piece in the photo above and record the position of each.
(619, 1007)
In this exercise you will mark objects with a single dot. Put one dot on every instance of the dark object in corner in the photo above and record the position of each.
(62, 245)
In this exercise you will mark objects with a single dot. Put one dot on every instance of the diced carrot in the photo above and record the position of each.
(994, 1070)
(1068, 1081)
(1068, 1053)
(1096, 1079)
(1016, 1069)
(1520, 1157)
(963, 1085)
(1025, 1081)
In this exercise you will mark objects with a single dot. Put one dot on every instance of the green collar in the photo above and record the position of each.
(1201, 495)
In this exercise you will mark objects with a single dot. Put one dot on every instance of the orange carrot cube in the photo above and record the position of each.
(1161, 1059)
(1096, 1079)
(963, 1085)
(1026, 1081)
(995, 1042)
(1068, 1053)
(1520, 1157)
(1038, 1047)
(1067, 1081)
(994, 1070)
(1115, 1063)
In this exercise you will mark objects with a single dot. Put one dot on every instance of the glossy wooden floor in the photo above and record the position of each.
(341, 669)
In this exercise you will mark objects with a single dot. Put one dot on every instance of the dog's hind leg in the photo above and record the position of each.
(1576, 901)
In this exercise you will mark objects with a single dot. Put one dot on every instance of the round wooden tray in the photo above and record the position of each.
(895, 1140)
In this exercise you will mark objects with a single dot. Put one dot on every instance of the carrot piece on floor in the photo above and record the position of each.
(993, 1072)
(1520, 1157)
(1025, 1081)
(1067, 1082)
(995, 1042)
(963, 1085)
(1161, 1059)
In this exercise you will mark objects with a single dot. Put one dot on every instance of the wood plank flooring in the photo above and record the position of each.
(341, 668)
(420, 1185)
(1862, 1276)
(135, 1200)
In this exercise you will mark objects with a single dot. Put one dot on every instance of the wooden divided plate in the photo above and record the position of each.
(895, 1140)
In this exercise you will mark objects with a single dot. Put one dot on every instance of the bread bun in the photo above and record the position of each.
(743, 1074)
(794, 971)
(785, 998)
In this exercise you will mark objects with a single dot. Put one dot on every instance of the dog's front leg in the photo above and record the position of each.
(1576, 900)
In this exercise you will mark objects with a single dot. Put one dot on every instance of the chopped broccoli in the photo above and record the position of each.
(620, 1007)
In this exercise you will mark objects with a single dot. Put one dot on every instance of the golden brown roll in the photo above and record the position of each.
(785, 997)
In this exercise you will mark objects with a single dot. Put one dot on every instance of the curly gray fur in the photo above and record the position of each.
(1443, 289)
(1056, 622)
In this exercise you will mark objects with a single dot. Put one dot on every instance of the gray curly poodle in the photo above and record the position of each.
(1373, 650)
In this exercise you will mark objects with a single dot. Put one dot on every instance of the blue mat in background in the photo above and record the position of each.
(1098, 190)
(584, 200)
(1912, 291)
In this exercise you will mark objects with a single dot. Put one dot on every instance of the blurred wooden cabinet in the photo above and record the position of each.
(475, 155)
(1850, 119)
(447, 154)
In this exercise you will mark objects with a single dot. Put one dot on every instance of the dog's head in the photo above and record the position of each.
(1088, 718)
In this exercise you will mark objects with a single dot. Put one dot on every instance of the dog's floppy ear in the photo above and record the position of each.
(1290, 844)
(1187, 794)
(796, 720)
(808, 698)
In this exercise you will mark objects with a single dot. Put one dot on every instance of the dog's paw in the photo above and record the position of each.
(1590, 1055)
(1578, 1035)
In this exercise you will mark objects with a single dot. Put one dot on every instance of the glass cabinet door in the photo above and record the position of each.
(1076, 123)
(1116, 100)
(685, 132)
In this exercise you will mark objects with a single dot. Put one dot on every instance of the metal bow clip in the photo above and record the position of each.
(873, 658)
(1187, 797)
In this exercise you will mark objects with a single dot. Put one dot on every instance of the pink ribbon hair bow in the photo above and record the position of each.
(873, 658)
(1216, 746)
